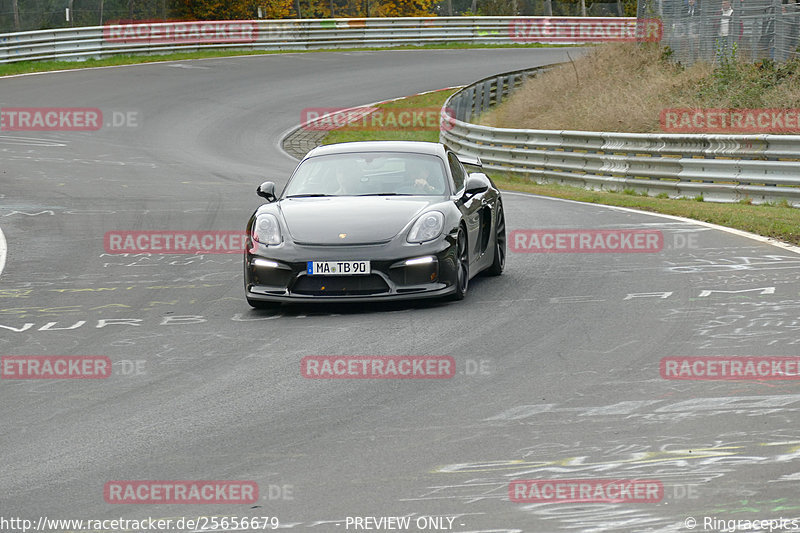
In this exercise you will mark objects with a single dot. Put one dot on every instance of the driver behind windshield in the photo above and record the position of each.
(347, 176)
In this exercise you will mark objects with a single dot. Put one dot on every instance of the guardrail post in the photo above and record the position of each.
(487, 96)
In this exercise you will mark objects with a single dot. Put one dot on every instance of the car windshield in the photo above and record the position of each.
(369, 174)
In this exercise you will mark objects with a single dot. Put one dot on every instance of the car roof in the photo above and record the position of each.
(415, 147)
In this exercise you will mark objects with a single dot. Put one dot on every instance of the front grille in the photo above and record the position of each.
(340, 285)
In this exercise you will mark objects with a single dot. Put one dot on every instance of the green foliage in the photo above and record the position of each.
(403, 8)
(217, 10)
(727, 71)
(630, 7)
(737, 84)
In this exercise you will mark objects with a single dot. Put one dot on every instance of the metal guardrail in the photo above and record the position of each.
(721, 168)
(296, 34)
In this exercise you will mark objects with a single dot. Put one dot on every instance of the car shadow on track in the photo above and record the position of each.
(355, 308)
(290, 310)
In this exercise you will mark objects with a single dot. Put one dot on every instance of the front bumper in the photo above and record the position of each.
(279, 273)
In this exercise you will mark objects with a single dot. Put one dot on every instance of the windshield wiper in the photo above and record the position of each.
(308, 195)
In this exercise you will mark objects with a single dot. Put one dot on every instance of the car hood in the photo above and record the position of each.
(349, 220)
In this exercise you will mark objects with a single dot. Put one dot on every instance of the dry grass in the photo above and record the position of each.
(624, 87)
(612, 88)
(777, 96)
(779, 221)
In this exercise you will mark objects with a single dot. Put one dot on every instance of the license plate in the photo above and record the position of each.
(338, 268)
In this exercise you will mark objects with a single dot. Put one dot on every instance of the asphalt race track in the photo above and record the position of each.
(557, 360)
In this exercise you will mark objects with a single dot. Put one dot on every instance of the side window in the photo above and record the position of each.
(457, 170)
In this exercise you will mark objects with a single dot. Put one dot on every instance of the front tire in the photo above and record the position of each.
(462, 265)
(499, 263)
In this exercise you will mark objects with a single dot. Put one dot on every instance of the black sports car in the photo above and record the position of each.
(368, 221)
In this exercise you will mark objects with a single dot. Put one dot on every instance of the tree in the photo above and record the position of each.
(316, 9)
(404, 8)
(275, 9)
(218, 9)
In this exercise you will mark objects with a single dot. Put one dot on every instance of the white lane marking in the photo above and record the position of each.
(28, 141)
(3, 249)
(184, 65)
(48, 211)
(740, 233)
(113, 66)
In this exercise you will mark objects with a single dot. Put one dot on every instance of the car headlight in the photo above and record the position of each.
(427, 227)
(266, 229)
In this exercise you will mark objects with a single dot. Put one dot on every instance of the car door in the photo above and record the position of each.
(470, 207)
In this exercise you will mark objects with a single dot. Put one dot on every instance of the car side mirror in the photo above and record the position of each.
(267, 190)
(476, 184)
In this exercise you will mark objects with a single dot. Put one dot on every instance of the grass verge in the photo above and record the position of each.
(428, 101)
(28, 67)
(779, 221)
